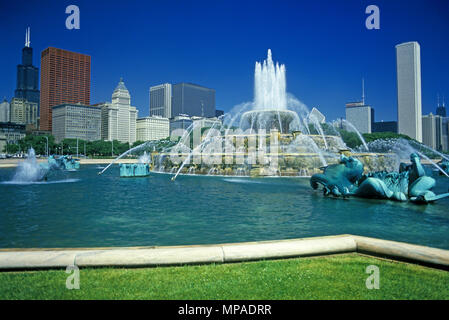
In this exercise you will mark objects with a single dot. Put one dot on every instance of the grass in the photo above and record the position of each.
(330, 277)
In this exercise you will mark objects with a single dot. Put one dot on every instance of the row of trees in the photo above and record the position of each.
(352, 139)
(69, 146)
(97, 148)
(102, 148)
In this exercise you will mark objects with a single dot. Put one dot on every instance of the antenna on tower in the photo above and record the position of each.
(27, 37)
(363, 91)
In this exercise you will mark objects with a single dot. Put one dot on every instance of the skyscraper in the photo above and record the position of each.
(408, 68)
(65, 78)
(432, 131)
(4, 111)
(192, 100)
(161, 100)
(118, 118)
(441, 109)
(27, 74)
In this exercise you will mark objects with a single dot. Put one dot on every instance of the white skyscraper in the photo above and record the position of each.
(161, 100)
(118, 117)
(408, 68)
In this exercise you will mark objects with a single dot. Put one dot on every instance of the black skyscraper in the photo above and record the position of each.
(441, 110)
(27, 75)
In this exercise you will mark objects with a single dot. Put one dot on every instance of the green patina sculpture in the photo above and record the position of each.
(63, 162)
(128, 170)
(445, 166)
(347, 179)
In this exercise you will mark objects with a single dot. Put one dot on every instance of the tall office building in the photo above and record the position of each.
(4, 111)
(71, 121)
(408, 68)
(192, 100)
(118, 117)
(445, 134)
(161, 100)
(152, 128)
(360, 115)
(65, 78)
(23, 111)
(27, 74)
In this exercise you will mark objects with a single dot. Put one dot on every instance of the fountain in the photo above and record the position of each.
(29, 170)
(269, 136)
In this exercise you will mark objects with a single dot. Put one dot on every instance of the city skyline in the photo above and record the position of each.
(325, 60)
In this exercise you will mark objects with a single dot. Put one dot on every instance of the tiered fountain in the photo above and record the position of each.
(272, 138)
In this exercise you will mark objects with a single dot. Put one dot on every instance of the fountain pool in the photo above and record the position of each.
(85, 210)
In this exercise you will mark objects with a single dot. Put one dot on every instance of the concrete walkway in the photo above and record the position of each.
(220, 253)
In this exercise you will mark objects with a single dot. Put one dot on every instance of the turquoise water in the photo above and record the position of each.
(82, 209)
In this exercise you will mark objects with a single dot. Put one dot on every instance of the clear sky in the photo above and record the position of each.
(324, 45)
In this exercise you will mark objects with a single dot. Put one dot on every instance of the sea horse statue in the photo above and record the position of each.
(347, 179)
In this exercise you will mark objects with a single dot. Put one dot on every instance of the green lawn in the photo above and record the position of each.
(331, 277)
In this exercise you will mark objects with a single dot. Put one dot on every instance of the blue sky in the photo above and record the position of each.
(324, 45)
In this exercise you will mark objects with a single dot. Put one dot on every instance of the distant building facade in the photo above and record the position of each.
(361, 116)
(432, 130)
(192, 100)
(180, 122)
(218, 113)
(408, 69)
(161, 100)
(65, 78)
(23, 111)
(385, 126)
(206, 122)
(10, 133)
(71, 121)
(118, 117)
(152, 128)
(4, 111)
